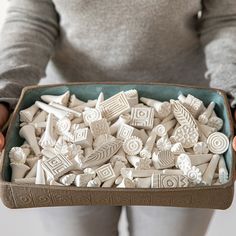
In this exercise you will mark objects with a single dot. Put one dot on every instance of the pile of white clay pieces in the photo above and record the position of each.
(123, 141)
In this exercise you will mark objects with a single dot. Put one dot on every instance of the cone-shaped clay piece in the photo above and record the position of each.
(123, 119)
(203, 167)
(210, 171)
(48, 139)
(223, 172)
(74, 101)
(32, 172)
(40, 176)
(28, 133)
(28, 114)
(55, 111)
(99, 100)
(147, 150)
(61, 99)
(204, 117)
(163, 128)
(126, 183)
(199, 159)
(132, 97)
(18, 171)
(40, 117)
(163, 109)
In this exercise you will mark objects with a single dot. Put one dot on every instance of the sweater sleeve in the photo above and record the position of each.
(27, 42)
(218, 37)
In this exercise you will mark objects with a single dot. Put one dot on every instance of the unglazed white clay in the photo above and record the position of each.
(40, 176)
(28, 114)
(74, 101)
(163, 144)
(199, 159)
(30, 161)
(194, 175)
(61, 99)
(99, 127)
(223, 172)
(18, 170)
(200, 148)
(142, 117)
(115, 106)
(132, 145)
(132, 97)
(168, 181)
(177, 148)
(91, 115)
(210, 171)
(83, 137)
(215, 122)
(126, 183)
(25, 180)
(218, 143)
(94, 183)
(206, 130)
(162, 129)
(57, 166)
(40, 117)
(102, 154)
(123, 119)
(163, 109)
(173, 172)
(126, 131)
(82, 180)
(105, 172)
(48, 139)
(119, 156)
(68, 179)
(182, 115)
(63, 126)
(134, 173)
(163, 159)
(55, 111)
(203, 118)
(99, 100)
(193, 104)
(18, 155)
(33, 171)
(28, 133)
(202, 167)
(101, 139)
(147, 150)
(183, 162)
(142, 182)
(187, 136)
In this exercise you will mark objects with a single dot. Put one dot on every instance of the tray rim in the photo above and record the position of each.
(189, 189)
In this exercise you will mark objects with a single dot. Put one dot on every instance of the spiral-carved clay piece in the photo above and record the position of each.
(218, 143)
(91, 115)
(133, 145)
(63, 126)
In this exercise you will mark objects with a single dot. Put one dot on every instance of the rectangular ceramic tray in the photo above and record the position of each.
(30, 195)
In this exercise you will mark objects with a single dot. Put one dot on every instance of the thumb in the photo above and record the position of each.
(4, 114)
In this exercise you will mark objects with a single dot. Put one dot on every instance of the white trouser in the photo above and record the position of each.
(103, 221)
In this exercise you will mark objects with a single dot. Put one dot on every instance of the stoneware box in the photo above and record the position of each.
(30, 195)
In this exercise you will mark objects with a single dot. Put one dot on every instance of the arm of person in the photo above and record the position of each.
(218, 37)
(27, 42)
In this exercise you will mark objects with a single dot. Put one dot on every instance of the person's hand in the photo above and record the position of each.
(4, 114)
(234, 141)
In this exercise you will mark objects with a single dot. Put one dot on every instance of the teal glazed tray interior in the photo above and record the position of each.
(30, 195)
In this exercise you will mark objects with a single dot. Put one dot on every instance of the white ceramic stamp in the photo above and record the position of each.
(48, 138)
(182, 115)
(132, 97)
(18, 155)
(215, 122)
(168, 181)
(63, 126)
(136, 173)
(61, 99)
(163, 128)
(148, 147)
(200, 148)
(33, 171)
(82, 180)
(202, 168)
(177, 148)
(206, 130)
(119, 156)
(57, 166)
(18, 170)
(183, 162)
(198, 159)
(105, 172)
(163, 109)
(27, 115)
(126, 183)
(74, 101)
(25, 180)
(40, 175)
(187, 136)
(68, 179)
(102, 154)
(94, 183)
(204, 117)
(28, 133)
(132, 145)
(142, 182)
(218, 143)
(99, 100)
(83, 137)
(163, 144)
(99, 127)
(163, 159)
(223, 172)
(194, 175)
(115, 106)
(91, 115)
(142, 117)
(126, 131)
(210, 171)
(123, 119)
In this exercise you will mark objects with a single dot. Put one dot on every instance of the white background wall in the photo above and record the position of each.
(15, 222)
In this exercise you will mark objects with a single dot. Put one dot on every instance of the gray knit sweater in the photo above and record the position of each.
(118, 40)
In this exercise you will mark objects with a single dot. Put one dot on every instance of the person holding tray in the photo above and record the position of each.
(187, 42)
